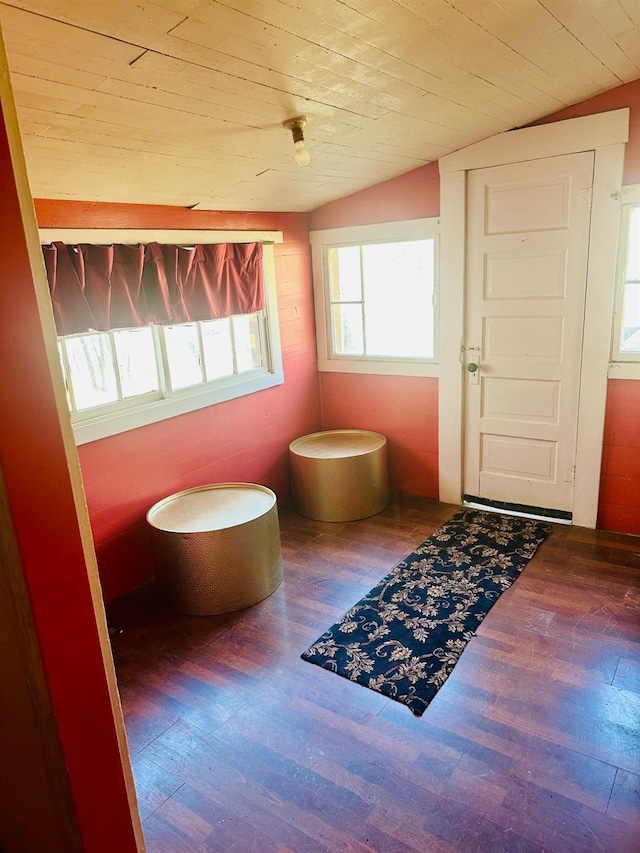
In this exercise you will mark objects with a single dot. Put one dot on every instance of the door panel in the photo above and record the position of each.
(502, 454)
(527, 206)
(529, 400)
(523, 340)
(528, 233)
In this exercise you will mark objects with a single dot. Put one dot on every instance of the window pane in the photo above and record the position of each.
(183, 355)
(218, 348)
(633, 260)
(398, 294)
(348, 333)
(64, 375)
(344, 274)
(136, 359)
(630, 338)
(91, 371)
(246, 335)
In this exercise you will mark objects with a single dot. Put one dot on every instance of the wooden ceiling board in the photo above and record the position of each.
(518, 75)
(371, 46)
(182, 101)
(104, 106)
(51, 72)
(589, 31)
(582, 61)
(120, 19)
(630, 43)
(137, 169)
(632, 9)
(52, 41)
(507, 20)
(511, 81)
(139, 143)
(222, 96)
(320, 87)
(305, 64)
(448, 26)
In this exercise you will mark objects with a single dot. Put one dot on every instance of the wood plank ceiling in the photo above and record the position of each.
(182, 101)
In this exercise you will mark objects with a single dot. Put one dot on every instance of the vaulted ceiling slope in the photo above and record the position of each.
(181, 102)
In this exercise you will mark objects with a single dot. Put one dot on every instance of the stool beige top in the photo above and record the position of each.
(337, 444)
(215, 507)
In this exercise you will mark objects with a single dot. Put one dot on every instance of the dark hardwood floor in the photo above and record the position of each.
(533, 743)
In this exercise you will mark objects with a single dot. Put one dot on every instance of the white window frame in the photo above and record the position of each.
(321, 241)
(125, 416)
(623, 365)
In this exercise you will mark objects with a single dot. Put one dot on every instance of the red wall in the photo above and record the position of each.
(414, 195)
(354, 400)
(404, 409)
(36, 471)
(620, 480)
(241, 440)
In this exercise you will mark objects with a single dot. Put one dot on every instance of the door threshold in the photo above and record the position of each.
(557, 516)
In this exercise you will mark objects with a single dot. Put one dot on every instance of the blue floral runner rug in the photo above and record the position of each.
(406, 635)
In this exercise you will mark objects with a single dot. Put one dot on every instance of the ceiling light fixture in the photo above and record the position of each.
(296, 125)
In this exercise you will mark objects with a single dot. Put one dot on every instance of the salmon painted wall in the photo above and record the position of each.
(620, 477)
(355, 400)
(39, 487)
(241, 440)
(403, 408)
(414, 195)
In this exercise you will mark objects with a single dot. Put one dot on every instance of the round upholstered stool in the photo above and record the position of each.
(217, 547)
(339, 474)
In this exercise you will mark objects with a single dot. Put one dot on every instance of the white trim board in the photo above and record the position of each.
(569, 136)
(605, 134)
(173, 236)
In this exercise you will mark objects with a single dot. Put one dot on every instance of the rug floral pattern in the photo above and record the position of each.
(407, 633)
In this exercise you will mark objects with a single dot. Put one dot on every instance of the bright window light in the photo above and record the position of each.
(626, 337)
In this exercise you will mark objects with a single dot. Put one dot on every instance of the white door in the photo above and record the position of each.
(527, 248)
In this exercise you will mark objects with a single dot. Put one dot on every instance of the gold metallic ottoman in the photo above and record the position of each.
(339, 474)
(217, 547)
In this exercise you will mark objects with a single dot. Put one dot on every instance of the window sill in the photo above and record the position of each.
(624, 370)
(380, 367)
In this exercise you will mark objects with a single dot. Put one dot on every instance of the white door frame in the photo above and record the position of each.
(605, 134)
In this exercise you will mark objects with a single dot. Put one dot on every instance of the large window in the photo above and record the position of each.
(626, 331)
(376, 290)
(126, 378)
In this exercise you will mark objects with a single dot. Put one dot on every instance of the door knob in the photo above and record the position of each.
(472, 367)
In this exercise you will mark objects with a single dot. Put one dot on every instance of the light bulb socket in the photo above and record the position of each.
(296, 125)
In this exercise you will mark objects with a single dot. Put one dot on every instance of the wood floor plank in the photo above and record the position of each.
(627, 675)
(154, 786)
(625, 797)
(532, 744)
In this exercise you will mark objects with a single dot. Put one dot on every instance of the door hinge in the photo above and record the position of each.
(569, 473)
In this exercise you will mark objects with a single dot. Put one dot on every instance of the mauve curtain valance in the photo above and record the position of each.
(117, 287)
